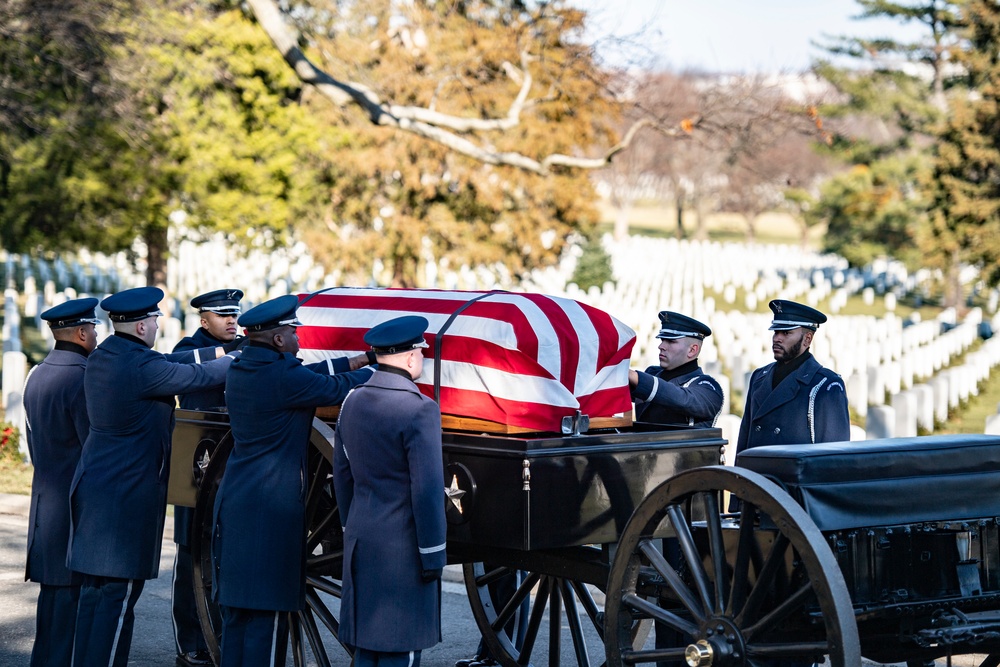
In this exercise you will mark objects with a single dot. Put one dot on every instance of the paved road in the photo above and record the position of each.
(153, 643)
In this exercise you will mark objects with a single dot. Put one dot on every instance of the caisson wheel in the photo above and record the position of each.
(511, 602)
(750, 588)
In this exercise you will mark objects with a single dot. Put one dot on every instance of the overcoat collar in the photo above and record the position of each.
(383, 380)
(787, 389)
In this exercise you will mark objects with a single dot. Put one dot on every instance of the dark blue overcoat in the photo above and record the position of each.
(57, 425)
(808, 406)
(389, 482)
(119, 490)
(693, 399)
(215, 397)
(259, 540)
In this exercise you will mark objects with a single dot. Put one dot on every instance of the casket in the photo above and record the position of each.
(498, 361)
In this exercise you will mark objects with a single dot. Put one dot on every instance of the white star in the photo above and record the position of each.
(454, 493)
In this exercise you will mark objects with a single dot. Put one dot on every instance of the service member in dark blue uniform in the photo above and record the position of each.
(389, 481)
(57, 425)
(259, 541)
(218, 310)
(677, 391)
(795, 400)
(119, 490)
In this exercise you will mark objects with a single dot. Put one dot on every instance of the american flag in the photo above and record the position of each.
(523, 360)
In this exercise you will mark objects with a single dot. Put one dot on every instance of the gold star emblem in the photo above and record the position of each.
(454, 493)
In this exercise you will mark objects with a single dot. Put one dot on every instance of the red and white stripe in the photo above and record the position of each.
(524, 360)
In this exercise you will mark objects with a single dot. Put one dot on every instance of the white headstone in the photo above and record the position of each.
(905, 405)
(857, 433)
(925, 407)
(881, 422)
(857, 393)
(992, 425)
(730, 425)
(15, 368)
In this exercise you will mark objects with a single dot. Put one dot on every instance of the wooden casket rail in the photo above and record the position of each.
(462, 423)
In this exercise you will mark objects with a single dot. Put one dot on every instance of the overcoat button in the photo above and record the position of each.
(777, 429)
(757, 428)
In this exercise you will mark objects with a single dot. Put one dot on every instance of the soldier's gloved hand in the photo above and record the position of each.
(237, 343)
(430, 575)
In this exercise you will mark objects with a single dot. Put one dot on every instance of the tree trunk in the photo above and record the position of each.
(156, 255)
(621, 222)
(679, 204)
(751, 221)
(953, 285)
(700, 220)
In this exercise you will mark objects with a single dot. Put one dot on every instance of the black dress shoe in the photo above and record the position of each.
(485, 662)
(467, 662)
(199, 658)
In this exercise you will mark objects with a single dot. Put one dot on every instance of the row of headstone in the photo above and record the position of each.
(877, 356)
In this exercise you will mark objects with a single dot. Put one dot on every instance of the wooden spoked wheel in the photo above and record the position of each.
(509, 603)
(751, 588)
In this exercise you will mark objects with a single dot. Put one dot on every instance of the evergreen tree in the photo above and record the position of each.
(965, 216)
(893, 96)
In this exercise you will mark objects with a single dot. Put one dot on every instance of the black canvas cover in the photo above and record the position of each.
(887, 482)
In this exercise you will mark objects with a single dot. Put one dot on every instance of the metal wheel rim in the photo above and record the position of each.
(569, 595)
(704, 601)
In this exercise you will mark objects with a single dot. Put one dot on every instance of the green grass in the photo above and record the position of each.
(15, 477)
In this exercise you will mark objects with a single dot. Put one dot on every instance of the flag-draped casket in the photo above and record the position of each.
(520, 360)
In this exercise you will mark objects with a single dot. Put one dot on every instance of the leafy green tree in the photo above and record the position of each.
(214, 128)
(965, 216)
(883, 129)
(869, 210)
(59, 97)
(593, 267)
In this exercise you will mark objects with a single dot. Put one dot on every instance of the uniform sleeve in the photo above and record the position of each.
(161, 377)
(309, 389)
(701, 399)
(343, 479)
(192, 355)
(423, 452)
(743, 441)
(81, 422)
(828, 411)
(330, 366)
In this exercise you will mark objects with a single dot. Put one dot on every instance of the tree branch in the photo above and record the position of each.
(444, 129)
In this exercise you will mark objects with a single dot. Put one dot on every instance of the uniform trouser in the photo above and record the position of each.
(365, 658)
(253, 637)
(187, 628)
(55, 625)
(105, 620)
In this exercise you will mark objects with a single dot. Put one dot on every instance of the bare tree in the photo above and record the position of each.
(457, 133)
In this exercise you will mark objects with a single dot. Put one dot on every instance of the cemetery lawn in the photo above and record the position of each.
(972, 417)
(15, 477)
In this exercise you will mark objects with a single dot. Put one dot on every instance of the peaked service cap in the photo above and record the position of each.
(271, 314)
(400, 334)
(134, 304)
(72, 313)
(789, 315)
(221, 301)
(674, 325)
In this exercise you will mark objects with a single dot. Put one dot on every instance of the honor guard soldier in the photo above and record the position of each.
(118, 496)
(258, 547)
(218, 310)
(677, 391)
(57, 425)
(389, 481)
(795, 400)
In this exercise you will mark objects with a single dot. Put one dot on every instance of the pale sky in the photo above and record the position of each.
(734, 35)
